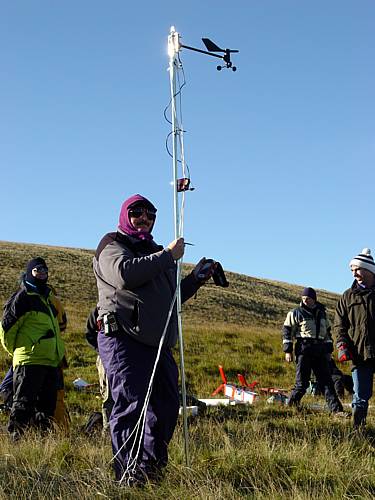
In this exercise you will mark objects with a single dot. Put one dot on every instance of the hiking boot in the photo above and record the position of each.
(359, 415)
(292, 402)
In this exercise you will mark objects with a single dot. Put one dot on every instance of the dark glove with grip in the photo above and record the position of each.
(207, 268)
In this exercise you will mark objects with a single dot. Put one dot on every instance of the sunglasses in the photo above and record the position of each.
(138, 211)
(40, 269)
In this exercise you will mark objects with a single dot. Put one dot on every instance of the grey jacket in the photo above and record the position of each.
(136, 280)
(304, 323)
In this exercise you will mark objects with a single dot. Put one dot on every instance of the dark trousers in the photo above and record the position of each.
(341, 381)
(128, 365)
(34, 398)
(312, 357)
(6, 390)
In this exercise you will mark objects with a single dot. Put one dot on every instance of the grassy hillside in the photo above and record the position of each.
(248, 301)
(261, 451)
(238, 326)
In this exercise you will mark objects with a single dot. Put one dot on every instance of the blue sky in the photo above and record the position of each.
(281, 153)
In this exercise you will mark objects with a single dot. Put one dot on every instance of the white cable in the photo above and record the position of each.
(139, 427)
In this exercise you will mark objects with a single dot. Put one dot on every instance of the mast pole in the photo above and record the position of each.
(173, 50)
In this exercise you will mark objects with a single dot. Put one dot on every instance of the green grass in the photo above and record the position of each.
(261, 451)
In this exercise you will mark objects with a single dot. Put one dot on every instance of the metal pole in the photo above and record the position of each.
(173, 49)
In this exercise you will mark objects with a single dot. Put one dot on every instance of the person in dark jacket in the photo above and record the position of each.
(309, 326)
(136, 280)
(30, 333)
(354, 329)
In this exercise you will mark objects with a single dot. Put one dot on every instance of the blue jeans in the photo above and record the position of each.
(362, 380)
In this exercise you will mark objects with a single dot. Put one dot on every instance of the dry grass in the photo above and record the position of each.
(238, 452)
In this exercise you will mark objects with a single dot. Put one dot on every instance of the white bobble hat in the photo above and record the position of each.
(364, 260)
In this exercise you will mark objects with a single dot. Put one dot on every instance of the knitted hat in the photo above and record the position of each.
(309, 292)
(364, 260)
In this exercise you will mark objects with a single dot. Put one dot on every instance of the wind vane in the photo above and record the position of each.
(211, 49)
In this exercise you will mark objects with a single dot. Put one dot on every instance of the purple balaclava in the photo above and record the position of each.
(124, 222)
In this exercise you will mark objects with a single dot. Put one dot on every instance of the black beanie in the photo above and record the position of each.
(309, 292)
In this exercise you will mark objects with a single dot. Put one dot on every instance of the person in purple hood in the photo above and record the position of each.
(136, 280)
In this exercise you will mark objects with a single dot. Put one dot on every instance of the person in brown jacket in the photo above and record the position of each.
(354, 329)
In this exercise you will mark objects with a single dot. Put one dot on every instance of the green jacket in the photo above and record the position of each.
(355, 322)
(29, 330)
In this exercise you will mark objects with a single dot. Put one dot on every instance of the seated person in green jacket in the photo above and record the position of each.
(30, 333)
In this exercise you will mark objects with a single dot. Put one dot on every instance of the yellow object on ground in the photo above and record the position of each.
(61, 416)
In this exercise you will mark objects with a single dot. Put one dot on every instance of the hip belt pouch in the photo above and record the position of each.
(110, 325)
